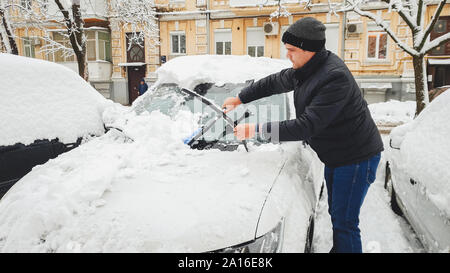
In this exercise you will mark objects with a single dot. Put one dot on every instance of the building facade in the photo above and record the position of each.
(245, 27)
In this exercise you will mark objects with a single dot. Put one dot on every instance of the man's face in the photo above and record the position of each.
(298, 56)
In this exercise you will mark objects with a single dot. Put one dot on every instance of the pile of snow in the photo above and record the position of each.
(393, 111)
(188, 71)
(424, 150)
(45, 100)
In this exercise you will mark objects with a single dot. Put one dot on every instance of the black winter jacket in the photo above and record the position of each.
(332, 116)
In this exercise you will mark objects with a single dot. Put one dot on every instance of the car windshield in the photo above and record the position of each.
(169, 100)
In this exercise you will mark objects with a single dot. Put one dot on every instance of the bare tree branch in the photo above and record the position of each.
(430, 26)
(436, 43)
(411, 51)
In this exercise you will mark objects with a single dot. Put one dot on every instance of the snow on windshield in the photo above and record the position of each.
(44, 100)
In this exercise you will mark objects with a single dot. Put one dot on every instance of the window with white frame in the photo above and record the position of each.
(98, 46)
(178, 42)
(222, 38)
(28, 47)
(255, 42)
(377, 43)
(61, 55)
(104, 46)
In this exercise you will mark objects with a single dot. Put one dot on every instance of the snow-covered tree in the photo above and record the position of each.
(138, 16)
(7, 40)
(413, 13)
(135, 16)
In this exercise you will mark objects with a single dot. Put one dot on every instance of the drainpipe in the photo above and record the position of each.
(344, 29)
(207, 27)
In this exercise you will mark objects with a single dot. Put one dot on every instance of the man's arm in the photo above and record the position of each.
(277, 83)
(323, 109)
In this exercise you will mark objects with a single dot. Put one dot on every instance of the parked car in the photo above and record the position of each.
(139, 188)
(417, 174)
(46, 109)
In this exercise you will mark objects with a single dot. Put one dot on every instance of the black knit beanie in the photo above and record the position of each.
(307, 33)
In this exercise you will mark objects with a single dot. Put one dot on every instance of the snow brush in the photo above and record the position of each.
(220, 113)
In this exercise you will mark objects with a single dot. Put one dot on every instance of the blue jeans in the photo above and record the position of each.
(347, 187)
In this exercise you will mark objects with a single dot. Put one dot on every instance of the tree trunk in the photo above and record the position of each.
(80, 42)
(76, 34)
(10, 39)
(420, 79)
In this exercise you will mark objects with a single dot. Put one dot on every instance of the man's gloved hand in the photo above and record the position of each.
(245, 131)
(230, 103)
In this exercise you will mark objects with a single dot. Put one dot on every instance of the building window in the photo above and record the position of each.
(255, 42)
(26, 4)
(377, 45)
(104, 46)
(28, 47)
(178, 41)
(98, 47)
(377, 42)
(441, 27)
(222, 38)
(61, 55)
(91, 48)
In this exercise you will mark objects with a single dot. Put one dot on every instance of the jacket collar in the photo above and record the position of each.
(312, 65)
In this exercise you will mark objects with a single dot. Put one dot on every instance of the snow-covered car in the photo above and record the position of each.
(45, 109)
(140, 188)
(418, 173)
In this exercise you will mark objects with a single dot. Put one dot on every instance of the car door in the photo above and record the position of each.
(432, 224)
(406, 191)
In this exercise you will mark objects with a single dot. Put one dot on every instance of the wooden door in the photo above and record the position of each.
(135, 74)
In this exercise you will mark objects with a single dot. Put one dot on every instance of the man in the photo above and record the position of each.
(142, 87)
(332, 117)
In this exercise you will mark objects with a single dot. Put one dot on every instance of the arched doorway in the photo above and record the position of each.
(135, 67)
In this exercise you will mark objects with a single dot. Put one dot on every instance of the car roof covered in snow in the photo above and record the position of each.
(45, 100)
(189, 71)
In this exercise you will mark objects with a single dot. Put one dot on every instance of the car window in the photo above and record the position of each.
(169, 99)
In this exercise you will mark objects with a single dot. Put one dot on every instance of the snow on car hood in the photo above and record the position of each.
(45, 100)
(148, 194)
(188, 71)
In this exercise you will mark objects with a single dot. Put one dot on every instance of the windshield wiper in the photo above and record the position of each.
(219, 111)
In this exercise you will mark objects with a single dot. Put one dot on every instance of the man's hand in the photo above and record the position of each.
(244, 131)
(231, 103)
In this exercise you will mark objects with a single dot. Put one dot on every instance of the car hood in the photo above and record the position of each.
(106, 197)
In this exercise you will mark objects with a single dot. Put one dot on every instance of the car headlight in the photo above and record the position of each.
(268, 243)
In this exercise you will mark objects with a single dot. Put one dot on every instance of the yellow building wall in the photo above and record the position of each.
(397, 63)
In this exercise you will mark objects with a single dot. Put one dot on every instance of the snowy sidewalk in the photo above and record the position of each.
(381, 229)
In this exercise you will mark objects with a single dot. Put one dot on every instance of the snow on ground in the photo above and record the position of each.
(393, 111)
(45, 100)
(381, 229)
